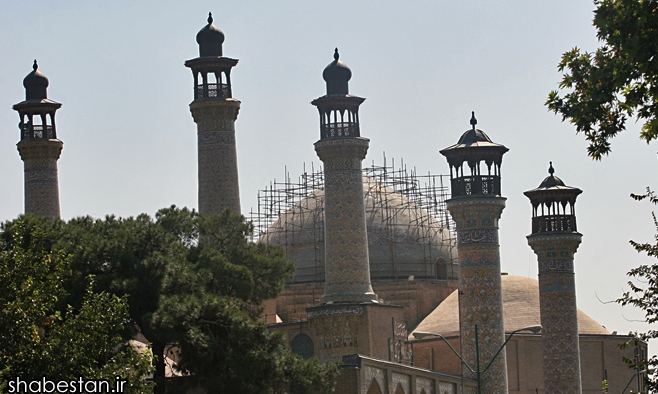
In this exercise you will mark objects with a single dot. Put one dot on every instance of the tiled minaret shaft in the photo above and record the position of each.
(347, 269)
(215, 110)
(555, 240)
(39, 147)
(341, 149)
(480, 289)
(218, 163)
(476, 206)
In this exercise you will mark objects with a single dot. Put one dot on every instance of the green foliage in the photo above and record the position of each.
(41, 340)
(645, 296)
(212, 306)
(616, 82)
(189, 280)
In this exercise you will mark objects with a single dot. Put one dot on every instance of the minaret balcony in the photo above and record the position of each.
(340, 129)
(475, 185)
(38, 131)
(212, 90)
(553, 223)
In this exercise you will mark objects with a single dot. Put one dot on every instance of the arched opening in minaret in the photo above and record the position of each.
(213, 83)
(339, 123)
(476, 181)
(37, 125)
(399, 389)
(217, 84)
(551, 216)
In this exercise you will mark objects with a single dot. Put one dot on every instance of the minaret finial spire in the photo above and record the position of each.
(551, 170)
(336, 56)
(473, 120)
(210, 18)
(35, 65)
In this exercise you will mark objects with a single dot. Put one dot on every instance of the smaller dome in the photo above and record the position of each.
(35, 84)
(210, 39)
(551, 180)
(520, 309)
(473, 135)
(337, 75)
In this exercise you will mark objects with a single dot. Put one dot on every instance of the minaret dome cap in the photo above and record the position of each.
(337, 75)
(35, 84)
(210, 39)
(551, 180)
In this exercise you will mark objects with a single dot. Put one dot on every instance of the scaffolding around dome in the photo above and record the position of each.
(410, 233)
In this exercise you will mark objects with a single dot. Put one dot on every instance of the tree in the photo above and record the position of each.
(616, 82)
(222, 344)
(193, 281)
(129, 257)
(605, 88)
(40, 341)
(645, 296)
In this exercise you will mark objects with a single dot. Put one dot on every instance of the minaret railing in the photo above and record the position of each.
(553, 223)
(475, 185)
(212, 90)
(340, 129)
(37, 131)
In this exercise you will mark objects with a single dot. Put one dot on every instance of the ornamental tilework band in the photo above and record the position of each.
(217, 157)
(480, 289)
(347, 272)
(227, 138)
(341, 311)
(43, 176)
(476, 213)
(559, 319)
(555, 266)
(487, 235)
(215, 115)
(557, 281)
(343, 177)
(555, 246)
(40, 176)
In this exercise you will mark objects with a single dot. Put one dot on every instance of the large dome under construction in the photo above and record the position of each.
(409, 234)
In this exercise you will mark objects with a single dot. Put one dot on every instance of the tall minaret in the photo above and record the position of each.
(476, 206)
(349, 319)
(215, 110)
(555, 240)
(342, 149)
(39, 147)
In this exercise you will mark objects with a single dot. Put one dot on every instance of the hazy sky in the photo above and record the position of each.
(423, 66)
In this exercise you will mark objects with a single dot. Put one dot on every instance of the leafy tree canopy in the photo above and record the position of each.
(601, 90)
(190, 281)
(40, 340)
(644, 295)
